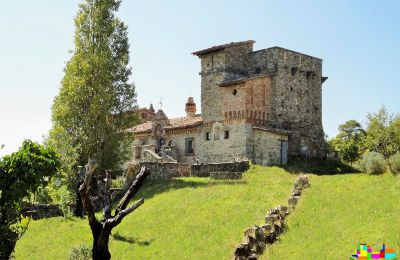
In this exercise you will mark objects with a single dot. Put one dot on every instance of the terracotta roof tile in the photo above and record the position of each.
(175, 123)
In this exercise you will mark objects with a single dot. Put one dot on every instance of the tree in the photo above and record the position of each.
(101, 230)
(21, 173)
(383, 133)
(91, 111)
(349, 141)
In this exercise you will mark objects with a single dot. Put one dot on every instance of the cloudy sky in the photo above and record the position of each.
(358, 40)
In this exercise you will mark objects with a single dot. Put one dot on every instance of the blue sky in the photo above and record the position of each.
(358, 40)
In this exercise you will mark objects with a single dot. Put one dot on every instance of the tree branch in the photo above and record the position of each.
(118, 218)
(133, 189)
(84, 190)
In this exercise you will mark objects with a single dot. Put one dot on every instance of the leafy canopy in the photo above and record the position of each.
(21, 174)
(96, 99)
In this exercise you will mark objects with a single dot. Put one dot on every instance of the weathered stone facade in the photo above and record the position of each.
(261, 106)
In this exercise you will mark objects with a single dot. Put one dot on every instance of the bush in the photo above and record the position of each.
(373, 163)
(81, 252)
(119, 182)
(43, 196)
(395, 163)
(61, 195)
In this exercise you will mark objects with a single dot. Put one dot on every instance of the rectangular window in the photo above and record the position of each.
(226, 135)
(189, 145)
(208, 136)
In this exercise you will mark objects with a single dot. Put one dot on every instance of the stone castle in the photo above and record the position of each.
(263, 105)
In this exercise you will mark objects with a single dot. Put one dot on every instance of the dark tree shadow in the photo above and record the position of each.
(319, 167)
(131, 240)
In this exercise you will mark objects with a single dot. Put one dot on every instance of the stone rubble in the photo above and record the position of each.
(257, 238)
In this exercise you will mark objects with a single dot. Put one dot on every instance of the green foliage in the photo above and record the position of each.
(373, 163)
(395, 163)
(21, 174)
(119, 182)
(95, 101)
(81, 252)
(383, 133)
(318, 166)
(43, 196)
(349, 141)
(62, 196)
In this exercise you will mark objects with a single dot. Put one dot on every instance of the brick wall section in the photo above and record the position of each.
(249, 99)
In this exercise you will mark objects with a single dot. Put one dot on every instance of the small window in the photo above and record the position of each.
(258, 70)
(226, 135)
(291, 88)
(294, 70)
(234, 92)
(189, 146)
(308, 74)
(208, 136)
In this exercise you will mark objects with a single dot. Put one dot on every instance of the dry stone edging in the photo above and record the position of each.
(257, 238)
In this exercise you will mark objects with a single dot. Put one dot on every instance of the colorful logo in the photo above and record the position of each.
(365, 252)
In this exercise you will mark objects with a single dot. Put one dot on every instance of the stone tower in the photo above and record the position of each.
(218, 64)
(294, 95)
(190, 107)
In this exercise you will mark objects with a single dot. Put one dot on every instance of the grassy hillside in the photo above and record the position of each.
(190, 218)
(339, 211)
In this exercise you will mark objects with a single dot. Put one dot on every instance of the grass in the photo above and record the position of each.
(339, 211)
(188, 218)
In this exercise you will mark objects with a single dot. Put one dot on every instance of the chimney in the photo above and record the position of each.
(151, 109)
(190, 107)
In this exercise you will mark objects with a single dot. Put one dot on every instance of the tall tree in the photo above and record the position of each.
(21, 173)
(349, 141)
(383, 133)
(91, 110)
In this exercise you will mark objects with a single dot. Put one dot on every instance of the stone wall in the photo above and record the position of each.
(267, 147)
(257, 238)
(219, 170)
(215, 68)
(296, 97)
(166, 171)
(39, 211)
(221, 149)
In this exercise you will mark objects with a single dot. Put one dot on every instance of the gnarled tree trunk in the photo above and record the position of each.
(101, 230)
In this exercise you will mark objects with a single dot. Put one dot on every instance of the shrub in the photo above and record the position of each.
(61, 195)
(43, 196)
(373, 163)
(81, 252)
(395, 162)
(119, 182)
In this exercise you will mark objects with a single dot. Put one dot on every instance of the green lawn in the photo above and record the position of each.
(188, 218)
(337, 212)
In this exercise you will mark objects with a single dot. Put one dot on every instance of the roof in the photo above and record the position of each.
(221, 47)
(242, 79)
(175, 123)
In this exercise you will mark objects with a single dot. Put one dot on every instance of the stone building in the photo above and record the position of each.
(263, 105)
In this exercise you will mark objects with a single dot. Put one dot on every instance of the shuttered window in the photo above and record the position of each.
(189, 145)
